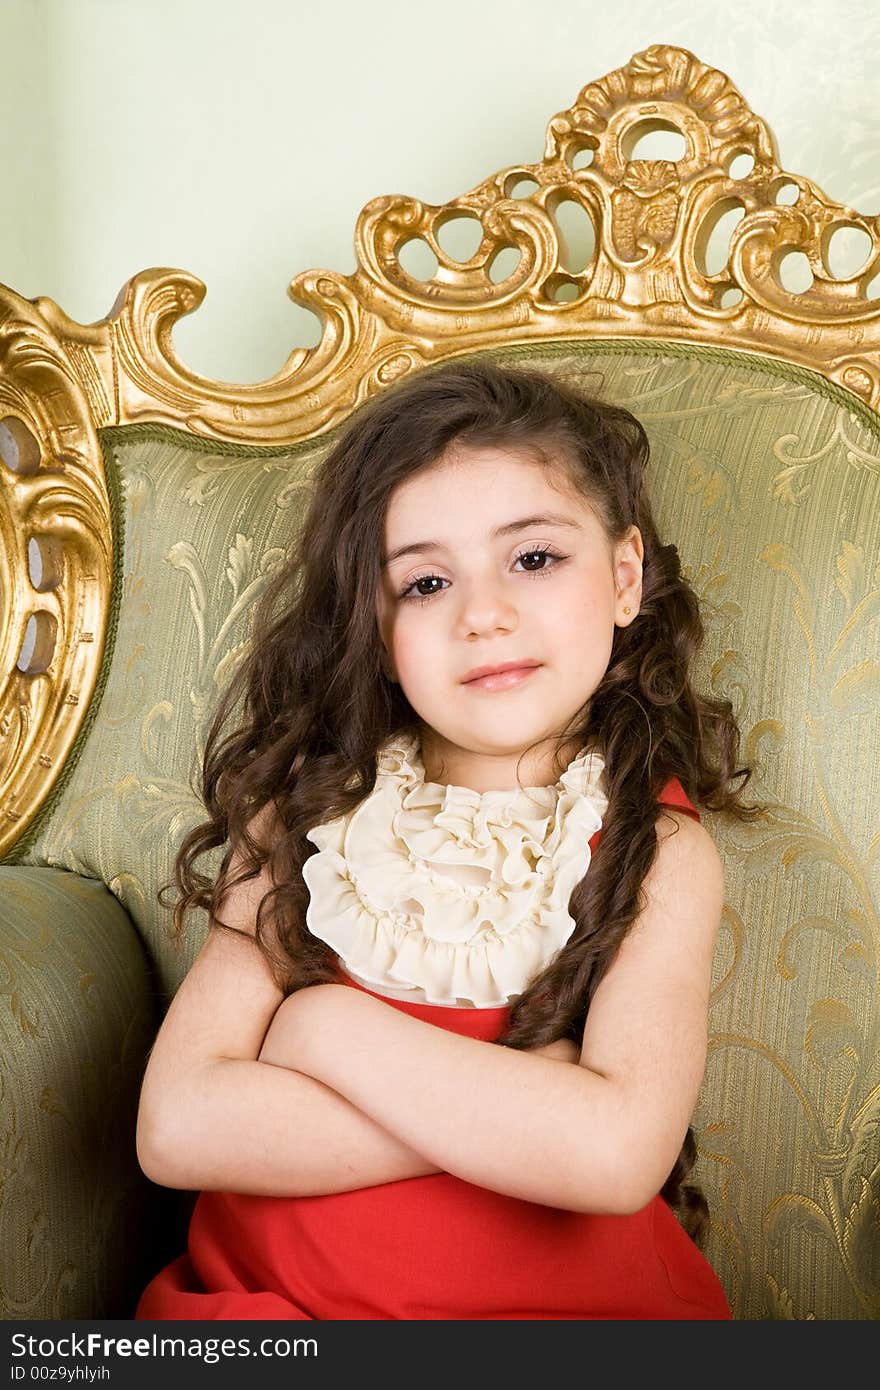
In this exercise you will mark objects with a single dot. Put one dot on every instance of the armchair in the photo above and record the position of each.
(143, 508)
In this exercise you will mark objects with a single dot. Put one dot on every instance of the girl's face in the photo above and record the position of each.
(479, 593)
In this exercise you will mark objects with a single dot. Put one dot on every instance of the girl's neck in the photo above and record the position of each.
(449, 765)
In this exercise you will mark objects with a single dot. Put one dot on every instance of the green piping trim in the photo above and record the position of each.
(657, 347)
(749, 361)
(126, 434)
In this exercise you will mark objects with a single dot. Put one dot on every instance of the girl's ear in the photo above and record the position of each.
(628, 578)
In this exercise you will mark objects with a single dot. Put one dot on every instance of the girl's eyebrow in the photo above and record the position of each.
(545, 519)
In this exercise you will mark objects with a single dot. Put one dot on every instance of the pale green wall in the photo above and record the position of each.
(238, 139)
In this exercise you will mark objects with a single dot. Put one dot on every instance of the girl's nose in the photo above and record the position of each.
(485, 606)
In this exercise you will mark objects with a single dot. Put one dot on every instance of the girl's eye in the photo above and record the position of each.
(541, 552)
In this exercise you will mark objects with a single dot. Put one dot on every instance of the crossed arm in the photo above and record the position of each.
(599, 1136)
(516, 1122)
(349, 1091)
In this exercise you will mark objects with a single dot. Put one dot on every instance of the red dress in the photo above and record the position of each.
(433, 1247)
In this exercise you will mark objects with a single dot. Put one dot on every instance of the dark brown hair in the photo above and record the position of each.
(316, 705)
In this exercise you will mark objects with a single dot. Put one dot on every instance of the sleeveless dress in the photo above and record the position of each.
(435, 1247)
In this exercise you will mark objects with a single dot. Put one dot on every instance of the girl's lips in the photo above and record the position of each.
(502, 679)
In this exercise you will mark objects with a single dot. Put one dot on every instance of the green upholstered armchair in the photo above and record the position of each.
(143, 508)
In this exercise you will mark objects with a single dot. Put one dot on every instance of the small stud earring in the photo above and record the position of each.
(626, 612)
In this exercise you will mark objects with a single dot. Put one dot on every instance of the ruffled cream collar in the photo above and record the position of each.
(437, 893)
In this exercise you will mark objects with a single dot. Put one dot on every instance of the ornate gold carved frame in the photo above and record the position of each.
(647, 276)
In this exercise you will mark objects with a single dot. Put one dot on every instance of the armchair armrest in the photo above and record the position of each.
(78, 1014)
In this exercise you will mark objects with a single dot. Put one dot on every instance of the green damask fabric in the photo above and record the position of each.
(81, 1015)
(768, 480)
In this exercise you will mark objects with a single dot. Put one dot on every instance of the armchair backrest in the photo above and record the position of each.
(157, 504)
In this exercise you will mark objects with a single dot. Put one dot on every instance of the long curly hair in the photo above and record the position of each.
(311, 705)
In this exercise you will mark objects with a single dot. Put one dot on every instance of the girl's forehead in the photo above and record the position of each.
(492, 475)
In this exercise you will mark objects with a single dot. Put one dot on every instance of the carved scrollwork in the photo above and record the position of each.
(55, 560)
(647, 274)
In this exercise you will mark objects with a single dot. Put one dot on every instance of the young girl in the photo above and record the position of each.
(458, 804)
